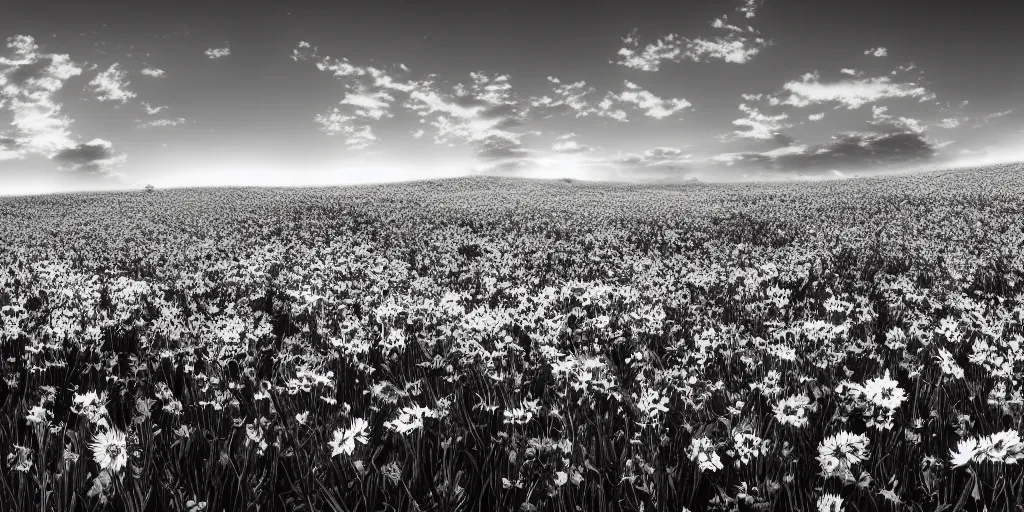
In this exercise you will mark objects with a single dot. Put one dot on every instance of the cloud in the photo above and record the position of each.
(731, 48)
(369, 96)
(667, 48)
(151, 110)
(374, 105)
(759, 126)
(849, 151)
(638, 98)
(567, 144)
(880, 117)
(723, 22)
(161, 123)
(153, 72)
(335, 122)
(877, 52)
(29, 81)
(852, 93)
(569, 98)
(110, 85)
(217, 53)
(734, 47)
(997, 115)
(9, 149)
(816, 117)
(659, 164)
(93, 157)
(750, 7)
(500, 147)
(951, 122)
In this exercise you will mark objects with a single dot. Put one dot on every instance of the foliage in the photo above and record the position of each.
(496, 344)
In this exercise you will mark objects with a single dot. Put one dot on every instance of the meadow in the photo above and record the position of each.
(502, 344)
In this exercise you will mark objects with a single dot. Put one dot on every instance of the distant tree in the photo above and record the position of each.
(150, 188)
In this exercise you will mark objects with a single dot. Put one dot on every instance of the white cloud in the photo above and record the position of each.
(110, 85)
(153, 72)
(161, 123)
(853, 93)
(29, 81)
(374, 105)
(733, 47)
(567, 144)
(749, 7)
(570, 146)
(760, 126)
(848, 71)
(667, 48)
(723, 22)
(356, 136)
(950, 123)
(151, 110)
(217, 53)
(418, 133)
(569, 98)
(997, 115)
(877, 52)
(651, 105)
(786, 151)
(816, 117)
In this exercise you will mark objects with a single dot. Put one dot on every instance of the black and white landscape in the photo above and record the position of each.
(443, 256)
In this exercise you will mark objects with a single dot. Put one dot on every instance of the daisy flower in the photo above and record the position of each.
(830, 503)
(109, 450)
(793, 410)
(1005, 447)
(965, 451)
(837, 453)
(344, 441)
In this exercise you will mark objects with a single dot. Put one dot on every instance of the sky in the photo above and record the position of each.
(116, 95)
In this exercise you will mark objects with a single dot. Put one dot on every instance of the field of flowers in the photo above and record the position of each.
(497, 344)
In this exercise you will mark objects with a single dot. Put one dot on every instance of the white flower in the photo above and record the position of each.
(837, 453)
(561, 478)
(344, 441)
(411, 418)
(702, 450)
(793, 410)
(1003, 447)
(830, 503)
(38, 415)
(109, 450)
(948, 364)
(884, 392)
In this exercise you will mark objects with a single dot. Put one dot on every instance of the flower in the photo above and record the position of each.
(830, 503)
(793, 410)
(411, 418)
(703, 451)
(20, 459)
(837, 453)
(344, 441)
(109, 450)
(38, 415)
(1002, 446)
